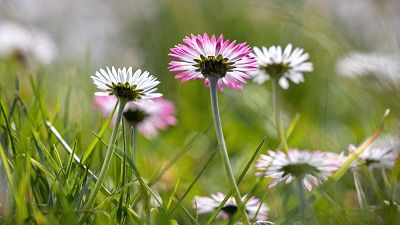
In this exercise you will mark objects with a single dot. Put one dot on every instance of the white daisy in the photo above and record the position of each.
(210, 204)
(310, 167)
(124, 85)
(382, 153)
(385, 67)
(282, 65)
(27, 42)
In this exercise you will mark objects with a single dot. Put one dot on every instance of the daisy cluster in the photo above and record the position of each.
(231, 64)
(200, 57)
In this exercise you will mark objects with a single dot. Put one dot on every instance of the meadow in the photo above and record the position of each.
(251, 112)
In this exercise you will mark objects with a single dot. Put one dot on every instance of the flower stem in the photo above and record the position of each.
(107, 159)
(222, 148)
(302, 198)
(278, 121)
(360, 193)
(134, 143)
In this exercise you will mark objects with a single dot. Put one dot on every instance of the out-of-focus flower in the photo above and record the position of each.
(203, 57)
(148, 116)
(281, 65)
(384, 67)
(27, 42)
(311, 167)
(124, 85)
(382, 153)
(255, 209)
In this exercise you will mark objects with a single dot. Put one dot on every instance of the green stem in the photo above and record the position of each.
(360, 193)
(130, 138)
(302, 198)
(120, 214)
(107, 159)
(134, 142)
(278, 120)
(222, 148)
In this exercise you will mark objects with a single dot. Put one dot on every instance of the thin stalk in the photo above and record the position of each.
(129, 137)
(222, 147)
(134, 142)
(107, 159)
(277, 109)
(302, 198)
(121, 216)
(360, 193)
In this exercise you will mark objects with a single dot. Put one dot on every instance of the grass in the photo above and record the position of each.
(48, 183)
(53, 142)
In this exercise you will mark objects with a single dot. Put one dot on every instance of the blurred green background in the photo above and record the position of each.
(334, 111)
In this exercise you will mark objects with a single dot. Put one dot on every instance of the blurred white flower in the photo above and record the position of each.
(283, 65)
(254, 207)
(312, 168)
(29, 42)
(77, 25)
(382, 153)
(384, 67)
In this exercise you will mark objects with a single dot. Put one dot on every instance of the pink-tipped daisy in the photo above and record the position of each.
(203, 57)
(311, 167)
(255, 209)
(148, 116)
(383, 153)
(126, 85)
(281, 65)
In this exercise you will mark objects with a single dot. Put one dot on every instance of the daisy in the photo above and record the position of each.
(282, 65)
(202, 57)
(26, 42)
(382, 66)
(383, 153)
(312, 168)
(148, 117)
(125, 85)
(220, 63)
(255, 209)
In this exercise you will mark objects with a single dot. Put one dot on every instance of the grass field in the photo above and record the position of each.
(167, 163)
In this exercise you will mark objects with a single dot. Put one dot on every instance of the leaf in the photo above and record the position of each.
(354, 156)
(194, 181)
(90, 149)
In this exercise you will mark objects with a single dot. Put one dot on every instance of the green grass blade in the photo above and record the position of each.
(70, 160)
(253, 157)
(194, 181)
(6, 166)
(292, 125)
(189, 215)
(94, 142)
(182, 152)
(38, 98)
(8, 127)
(354, 156)
(171, 198)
